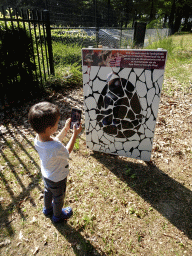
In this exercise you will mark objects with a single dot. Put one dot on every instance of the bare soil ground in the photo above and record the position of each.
(121, 206)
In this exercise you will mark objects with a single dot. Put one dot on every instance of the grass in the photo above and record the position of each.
(121, 206)
(178, 65)
(67, 63)
(66, 54)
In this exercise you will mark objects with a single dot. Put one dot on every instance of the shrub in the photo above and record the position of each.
(65, 76)
(18, 79)
(16, 64)
(70, 36)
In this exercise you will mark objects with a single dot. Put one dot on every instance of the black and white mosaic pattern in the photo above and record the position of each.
(121, 107)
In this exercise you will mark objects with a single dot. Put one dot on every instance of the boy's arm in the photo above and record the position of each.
(65, 129)
(71, 143)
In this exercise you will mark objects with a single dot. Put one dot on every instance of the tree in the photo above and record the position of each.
(179, 9)
(113, 12)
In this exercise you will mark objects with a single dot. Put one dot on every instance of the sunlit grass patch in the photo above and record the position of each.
(178, 64)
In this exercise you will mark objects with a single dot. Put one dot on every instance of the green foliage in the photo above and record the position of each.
(158, 23)
(8, 23)
(67, 61)
(72, 36)
(16, 64)
(65, 54)
(18, 71)
(65, 76)
(165, 43)
(67, 45)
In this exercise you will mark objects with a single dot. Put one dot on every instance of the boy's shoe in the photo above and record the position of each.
(65, 214)
(47, 212)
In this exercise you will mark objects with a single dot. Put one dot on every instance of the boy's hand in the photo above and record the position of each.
(65, 129)
(67, 124)
(76, 131)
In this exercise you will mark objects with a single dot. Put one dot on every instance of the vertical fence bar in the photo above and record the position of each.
(37, 49)
(11, 18)
(23, 17)
(3, 11)
(41, 45)
(49, 42)
(13, 29)
(21, 25)
(2, 83)
(19, 37)
(45, 43)
(30, 33)
(17, 17)
(121, 36)
(4, 78)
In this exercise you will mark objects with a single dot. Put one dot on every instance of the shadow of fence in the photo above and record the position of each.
(19, 174)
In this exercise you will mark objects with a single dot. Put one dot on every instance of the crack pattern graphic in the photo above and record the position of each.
(121, 107)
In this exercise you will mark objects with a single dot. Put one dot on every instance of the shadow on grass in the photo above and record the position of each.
(80, 245)
(170, 198)
(10, 141)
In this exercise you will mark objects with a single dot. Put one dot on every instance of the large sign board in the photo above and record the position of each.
(122, 91)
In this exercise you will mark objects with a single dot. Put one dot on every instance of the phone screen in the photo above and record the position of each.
(75, 117)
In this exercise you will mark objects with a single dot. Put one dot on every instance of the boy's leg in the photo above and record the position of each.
(58, 196)
(58, 190)
(48, 196)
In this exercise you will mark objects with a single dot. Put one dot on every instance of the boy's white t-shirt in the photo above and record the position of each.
(53, 156)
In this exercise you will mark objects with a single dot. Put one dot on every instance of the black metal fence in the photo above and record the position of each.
(26, 57)
(24, 74)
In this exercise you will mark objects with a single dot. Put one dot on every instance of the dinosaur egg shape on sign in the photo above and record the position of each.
(119, 108)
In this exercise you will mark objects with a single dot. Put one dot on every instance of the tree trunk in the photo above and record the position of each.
(177, 23)
(171, 17)
(152, 11)
(165, 20)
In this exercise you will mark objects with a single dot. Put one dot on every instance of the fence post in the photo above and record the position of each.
(139, 34)
(96, 24)
(49, 42)
(121, 36)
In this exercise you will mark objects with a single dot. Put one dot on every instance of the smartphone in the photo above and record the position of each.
(75, 117)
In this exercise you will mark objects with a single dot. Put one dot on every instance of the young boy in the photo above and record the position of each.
(44, 118)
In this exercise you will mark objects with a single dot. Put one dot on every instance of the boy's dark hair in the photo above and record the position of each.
(43, 115)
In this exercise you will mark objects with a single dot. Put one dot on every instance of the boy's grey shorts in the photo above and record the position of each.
(54, 191)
